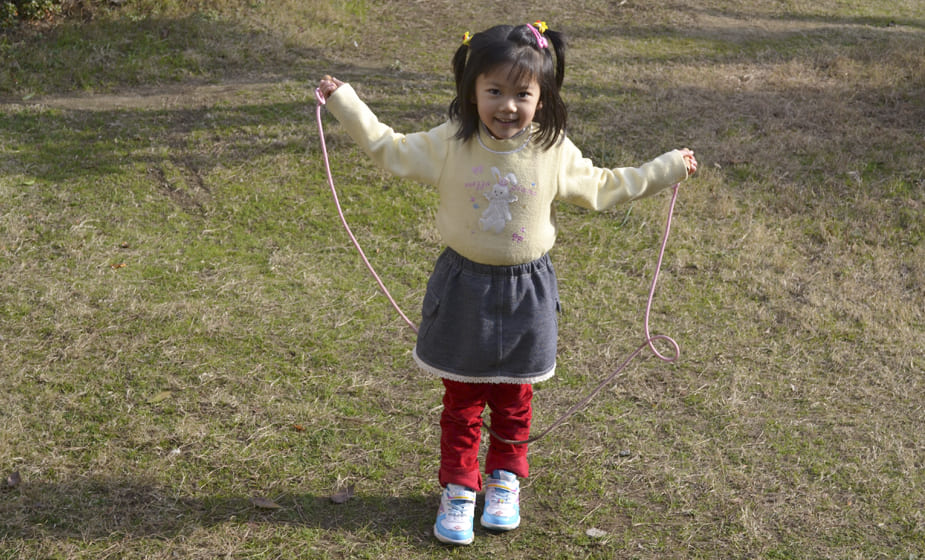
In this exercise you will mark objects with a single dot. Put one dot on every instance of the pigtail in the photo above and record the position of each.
(557, 41)
(553, 116)
(459, 70)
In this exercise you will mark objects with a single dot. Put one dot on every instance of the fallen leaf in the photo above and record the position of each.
(595, 533)
(160, 397)
(13, 480)
(342, 495)
(265, 503)
(298, 427)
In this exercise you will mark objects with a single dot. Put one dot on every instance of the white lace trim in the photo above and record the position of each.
(536, 378)
(528, 130)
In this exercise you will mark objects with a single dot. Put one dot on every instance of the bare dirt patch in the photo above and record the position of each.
(170, 96)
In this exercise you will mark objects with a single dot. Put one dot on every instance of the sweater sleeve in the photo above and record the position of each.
(583, 184)
(419, 156)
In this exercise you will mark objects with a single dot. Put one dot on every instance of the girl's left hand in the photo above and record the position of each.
(329, 85)
(689, 161)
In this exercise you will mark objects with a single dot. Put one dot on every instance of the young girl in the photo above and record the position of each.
(489, 322)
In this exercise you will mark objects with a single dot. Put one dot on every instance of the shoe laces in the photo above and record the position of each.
(500, 492)
(459, 509)
(459, 506)
(501, 495)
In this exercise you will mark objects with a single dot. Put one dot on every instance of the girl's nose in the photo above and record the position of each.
(508, 104)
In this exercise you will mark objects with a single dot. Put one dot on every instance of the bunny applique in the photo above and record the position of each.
(498, 213)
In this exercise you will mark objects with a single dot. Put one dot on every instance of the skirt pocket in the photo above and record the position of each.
(429, 309)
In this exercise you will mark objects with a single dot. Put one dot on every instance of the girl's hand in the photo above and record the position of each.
(329, 85)
(690, 161)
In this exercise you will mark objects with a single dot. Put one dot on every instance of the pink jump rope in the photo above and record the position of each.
(649, 340)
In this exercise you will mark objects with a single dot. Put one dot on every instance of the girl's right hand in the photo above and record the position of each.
(329, 85)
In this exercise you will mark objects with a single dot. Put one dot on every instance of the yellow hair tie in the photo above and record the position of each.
(541, 25)
(466, 38)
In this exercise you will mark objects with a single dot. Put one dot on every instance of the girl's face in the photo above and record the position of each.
(505, 106)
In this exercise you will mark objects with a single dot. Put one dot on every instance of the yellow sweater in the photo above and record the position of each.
(496, 196)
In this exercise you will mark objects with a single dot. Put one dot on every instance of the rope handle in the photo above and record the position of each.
(649, 338)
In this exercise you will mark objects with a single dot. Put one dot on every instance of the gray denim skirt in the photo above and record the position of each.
(489, 324)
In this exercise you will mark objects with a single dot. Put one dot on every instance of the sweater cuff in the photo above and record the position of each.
(678, 166)
(340, 100)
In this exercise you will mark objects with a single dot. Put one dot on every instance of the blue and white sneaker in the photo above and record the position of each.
(456, 515)
(502, 502)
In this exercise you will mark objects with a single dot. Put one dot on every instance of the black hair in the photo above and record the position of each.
(517, 46)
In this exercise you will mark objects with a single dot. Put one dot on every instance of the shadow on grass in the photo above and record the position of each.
(57, 142)
(736, 128)
(120, 52)
(99, 507)
(830, 141)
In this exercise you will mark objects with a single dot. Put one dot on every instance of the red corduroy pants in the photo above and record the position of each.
(461, 430)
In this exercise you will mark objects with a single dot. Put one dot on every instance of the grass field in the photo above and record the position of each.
(195, 363)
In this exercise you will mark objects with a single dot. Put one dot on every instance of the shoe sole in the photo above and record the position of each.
(496, 527)
(447, 540)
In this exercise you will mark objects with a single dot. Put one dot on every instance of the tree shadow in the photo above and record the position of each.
(108, 54)
(178, 90)
(64, 139)
(731, 128)
(739, 119)
(99, 507)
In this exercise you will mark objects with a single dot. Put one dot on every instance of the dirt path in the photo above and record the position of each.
(153, 97)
